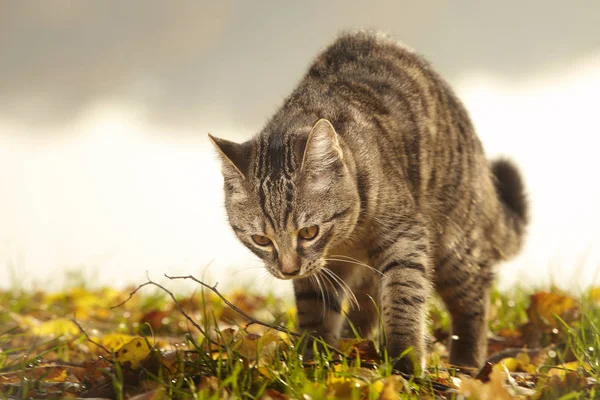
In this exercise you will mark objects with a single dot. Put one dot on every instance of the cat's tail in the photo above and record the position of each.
(511, 192)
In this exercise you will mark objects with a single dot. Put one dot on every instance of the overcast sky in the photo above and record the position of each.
(105, 104)
(203, 62)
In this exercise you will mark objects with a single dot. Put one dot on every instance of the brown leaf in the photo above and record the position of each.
(273, 394)
(558, 386)
(504, 339)
(363, 348)
(157, 394)
(156, 319)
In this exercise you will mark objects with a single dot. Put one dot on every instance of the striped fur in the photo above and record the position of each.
(374, 148)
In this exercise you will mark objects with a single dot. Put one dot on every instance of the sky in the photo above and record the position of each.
(106, 170)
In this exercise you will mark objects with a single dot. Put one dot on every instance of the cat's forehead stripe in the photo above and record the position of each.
(274, 170)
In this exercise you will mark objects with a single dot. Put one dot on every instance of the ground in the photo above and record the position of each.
(149, 342)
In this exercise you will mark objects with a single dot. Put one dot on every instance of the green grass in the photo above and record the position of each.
(203, 370)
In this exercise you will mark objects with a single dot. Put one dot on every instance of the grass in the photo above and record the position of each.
(43, 355)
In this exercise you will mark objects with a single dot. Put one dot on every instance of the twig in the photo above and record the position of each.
(251, 318)
(179, 307)
(235, 308)
(88, 337)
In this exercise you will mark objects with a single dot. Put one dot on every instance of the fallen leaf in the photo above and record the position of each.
(114, 341)
(56, 327)
(520, 363)
(392, 387)
(273, 394)
(564, 369)
(347, 383)
(557, 386)
(544, 305)
(363, 348)
(133, 352)
(495, 389)
(157, 394)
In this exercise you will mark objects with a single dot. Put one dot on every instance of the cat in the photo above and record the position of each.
(370, 183)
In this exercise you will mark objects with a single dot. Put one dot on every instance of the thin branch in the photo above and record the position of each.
(88, 337)
(179, 307)
(251, 318)
(235, 308)
(131, 294)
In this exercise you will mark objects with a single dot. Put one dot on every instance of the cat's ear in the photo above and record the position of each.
(322, 146)
(235, 156)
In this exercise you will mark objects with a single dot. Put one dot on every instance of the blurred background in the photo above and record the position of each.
(106, 172)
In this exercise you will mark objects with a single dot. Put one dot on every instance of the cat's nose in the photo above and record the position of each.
(290, 272)
(289, 265)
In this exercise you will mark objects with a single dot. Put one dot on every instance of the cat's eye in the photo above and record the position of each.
(261, 240)
(309, 233)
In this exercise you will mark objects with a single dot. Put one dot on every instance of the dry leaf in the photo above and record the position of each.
(114, 341)
(157, 394)
(133, 352)
(273, 394)
(520, 363)
(363, 348)
(347, 383)
(56, 327)
(558, 386)
(495, 389)
(544, 305)
(392, 387)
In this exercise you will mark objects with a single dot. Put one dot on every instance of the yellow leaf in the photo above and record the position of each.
(595, 294)
(520, 363)
(390, 387)
(25, 322)
(133, 352)
(562, 370)
(545, 305)
(348, 383)
(114, 341)
(510, 363)
(56, 327)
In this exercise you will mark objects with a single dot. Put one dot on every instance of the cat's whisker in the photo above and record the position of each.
(354, 261)
(269, 279)
(318, 281)
(333, 285)
(344, 286)
(237, 271)
(341, 257)
(334, 282)
(261, 275)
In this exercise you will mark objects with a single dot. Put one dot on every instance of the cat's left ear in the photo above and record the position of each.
(322, 147)
(235, 156)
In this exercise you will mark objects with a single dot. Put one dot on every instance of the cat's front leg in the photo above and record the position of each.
(319, 311)
(403, 293)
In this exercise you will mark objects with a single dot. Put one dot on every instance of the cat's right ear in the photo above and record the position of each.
(235, 156)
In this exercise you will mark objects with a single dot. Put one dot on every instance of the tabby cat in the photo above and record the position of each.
(370, 183)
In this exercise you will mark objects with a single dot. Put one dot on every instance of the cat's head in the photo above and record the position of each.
(290, 198)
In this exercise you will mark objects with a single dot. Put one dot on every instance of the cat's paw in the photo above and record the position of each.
(409, 365)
